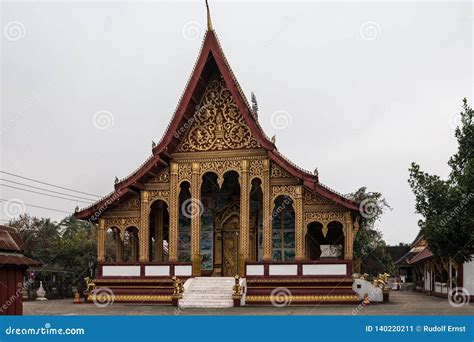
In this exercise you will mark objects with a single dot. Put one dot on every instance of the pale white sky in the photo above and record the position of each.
(369, 86)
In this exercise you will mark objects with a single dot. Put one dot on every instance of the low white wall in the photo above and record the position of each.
(283, 270)
(157, 271)
(183, 270)
(468, 277)
(255, 270)
(121, 271)
(316, 269)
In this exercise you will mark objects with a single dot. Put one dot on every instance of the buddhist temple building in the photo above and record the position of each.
(217, 199)
(433, 276)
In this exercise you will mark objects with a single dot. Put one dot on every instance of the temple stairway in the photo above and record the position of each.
(207, 292)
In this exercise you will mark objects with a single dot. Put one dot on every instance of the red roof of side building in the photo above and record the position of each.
(424, 254)
(211, 53)
(11, 249)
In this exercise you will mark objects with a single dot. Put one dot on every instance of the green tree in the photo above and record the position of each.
(447, 206)
(67, 248)
(369, 247)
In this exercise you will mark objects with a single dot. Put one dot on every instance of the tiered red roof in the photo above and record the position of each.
(210, 59)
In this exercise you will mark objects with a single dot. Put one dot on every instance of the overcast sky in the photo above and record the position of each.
(366, 89)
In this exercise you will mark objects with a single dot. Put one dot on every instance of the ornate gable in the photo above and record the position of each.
(217, 123)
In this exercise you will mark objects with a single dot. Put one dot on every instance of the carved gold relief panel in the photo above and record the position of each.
(162, 177)
(324, 217)
(122, 223)
(158, 195)
(184, 172)
(257, 168)
(289, 190)
(131, 204)
(278, 172)
(311, 198)
(217, 124)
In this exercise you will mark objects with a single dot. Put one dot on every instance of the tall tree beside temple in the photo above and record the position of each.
(68, 247)
(369, 247)
(447, 205)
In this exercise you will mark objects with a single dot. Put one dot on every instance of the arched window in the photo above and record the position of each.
(184, 231)
(256, 220)
(130, 245)
(159, 231)
(283, 229)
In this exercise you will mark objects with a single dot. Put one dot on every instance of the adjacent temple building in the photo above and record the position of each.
(216, 199)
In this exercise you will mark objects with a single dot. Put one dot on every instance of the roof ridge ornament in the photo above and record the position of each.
(209, 21)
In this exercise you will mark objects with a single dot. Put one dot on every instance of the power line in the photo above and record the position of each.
(44, 183)
(39, 188)
(35, 206)
(41, 193)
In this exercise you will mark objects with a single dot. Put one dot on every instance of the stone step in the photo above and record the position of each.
(200, 305)
(205, 292)
(205, 298)
(220, 293)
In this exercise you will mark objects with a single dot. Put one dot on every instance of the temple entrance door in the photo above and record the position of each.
(230, 246)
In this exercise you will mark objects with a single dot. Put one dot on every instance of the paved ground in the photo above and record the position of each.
(401, 303)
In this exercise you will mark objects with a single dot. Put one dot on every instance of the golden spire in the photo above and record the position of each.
(209, 21)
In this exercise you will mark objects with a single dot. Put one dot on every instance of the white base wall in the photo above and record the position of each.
(468, 277)
(121, 271)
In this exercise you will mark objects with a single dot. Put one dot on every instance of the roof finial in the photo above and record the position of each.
(209, 21)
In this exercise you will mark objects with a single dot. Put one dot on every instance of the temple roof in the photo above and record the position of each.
(11, 249)
(211, 59)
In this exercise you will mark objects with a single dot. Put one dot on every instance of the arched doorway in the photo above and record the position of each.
(283, 229)
(325, 242)
(159, 230)
(130, 245)
(314, 240)
(113, 245)
(220, 224)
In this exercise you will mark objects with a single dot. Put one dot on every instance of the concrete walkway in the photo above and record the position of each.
(401, 303)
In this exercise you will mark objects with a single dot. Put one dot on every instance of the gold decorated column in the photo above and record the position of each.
(173, 213)
(348, 239)
(244, 216)
(267, 212)
(101, 241)
(195, 210)
(144, 227)
(300, 229)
